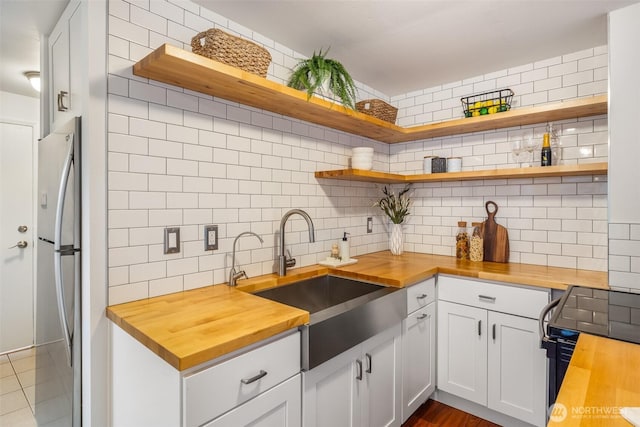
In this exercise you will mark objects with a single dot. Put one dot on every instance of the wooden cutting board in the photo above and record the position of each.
(496, 238)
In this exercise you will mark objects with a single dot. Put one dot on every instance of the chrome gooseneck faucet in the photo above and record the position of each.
(233, 274)
(283, 261)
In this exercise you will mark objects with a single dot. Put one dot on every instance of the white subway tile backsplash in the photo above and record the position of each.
(181, 158)
(126, 30)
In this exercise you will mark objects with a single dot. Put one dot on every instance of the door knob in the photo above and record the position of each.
(22, 228)
(21, 244)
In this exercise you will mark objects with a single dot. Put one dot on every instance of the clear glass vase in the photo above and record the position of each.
(396, 240)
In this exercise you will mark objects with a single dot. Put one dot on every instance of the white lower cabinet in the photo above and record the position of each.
(277, 407)
(257, 386)
(358, 388)
(418, 347)
(489, 357)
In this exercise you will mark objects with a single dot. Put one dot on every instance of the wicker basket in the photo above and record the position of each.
(379, 109)
(232, 50)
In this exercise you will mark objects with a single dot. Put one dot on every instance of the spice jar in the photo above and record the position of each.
(476, 243)
(462, 241)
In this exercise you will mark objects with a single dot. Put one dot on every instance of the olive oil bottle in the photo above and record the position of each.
(545, 156)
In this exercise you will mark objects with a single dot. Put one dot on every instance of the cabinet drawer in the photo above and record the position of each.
(491, 296)
(421, 294)
(215, 390)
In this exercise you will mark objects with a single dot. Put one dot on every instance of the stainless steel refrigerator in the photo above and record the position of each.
(58, 284)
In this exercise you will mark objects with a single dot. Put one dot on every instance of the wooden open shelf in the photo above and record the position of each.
(175, 66)
(532, 172)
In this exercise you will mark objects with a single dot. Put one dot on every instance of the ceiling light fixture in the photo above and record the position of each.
(34, 79)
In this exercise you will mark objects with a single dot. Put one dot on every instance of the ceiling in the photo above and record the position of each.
(21, 24)
(394, 46)
(398, 46)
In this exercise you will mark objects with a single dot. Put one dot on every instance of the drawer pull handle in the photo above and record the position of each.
(423, 316)
(254, 378)
(422, 296)
(359, 374)
(369, 363)
(486, 298)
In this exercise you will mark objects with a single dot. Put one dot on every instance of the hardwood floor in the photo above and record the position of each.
(436, 414)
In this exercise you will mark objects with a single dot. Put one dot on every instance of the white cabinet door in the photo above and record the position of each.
(418, 359)
(517, 368)
(59, 69)
(381, 360)
(358, 388)
(331, 392)
(65, 65)
(277, 407)
(462, 351)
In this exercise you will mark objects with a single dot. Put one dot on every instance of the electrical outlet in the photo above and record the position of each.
(370, 225)
(171, 240)
(210, 237)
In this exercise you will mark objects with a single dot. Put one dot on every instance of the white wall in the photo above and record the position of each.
(20, 109)
(181, 158)
(624, 192)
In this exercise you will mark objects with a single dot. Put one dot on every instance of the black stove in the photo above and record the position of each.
(610, 314)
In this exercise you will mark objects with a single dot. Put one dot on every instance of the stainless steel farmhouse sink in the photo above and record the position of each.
(343, 313)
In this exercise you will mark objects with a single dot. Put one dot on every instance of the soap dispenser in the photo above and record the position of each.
(344, 248)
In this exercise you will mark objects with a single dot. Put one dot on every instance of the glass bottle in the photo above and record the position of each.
(476, 243)
(462, 241)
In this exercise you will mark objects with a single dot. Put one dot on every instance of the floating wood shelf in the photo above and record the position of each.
(533, 172)
(175, 66)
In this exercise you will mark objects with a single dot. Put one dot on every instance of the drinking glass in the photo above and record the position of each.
(517, 149)
(532, 146)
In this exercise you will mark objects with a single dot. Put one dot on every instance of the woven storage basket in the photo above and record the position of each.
(379, 109)
(232, 50)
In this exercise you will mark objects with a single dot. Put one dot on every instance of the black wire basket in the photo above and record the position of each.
(482, 104)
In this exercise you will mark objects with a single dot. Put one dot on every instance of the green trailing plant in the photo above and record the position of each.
(395, 207)
(310, 74)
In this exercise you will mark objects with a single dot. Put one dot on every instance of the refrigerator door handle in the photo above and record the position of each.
(59, 252)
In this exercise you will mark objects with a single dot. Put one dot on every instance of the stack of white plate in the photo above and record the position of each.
(362, 158)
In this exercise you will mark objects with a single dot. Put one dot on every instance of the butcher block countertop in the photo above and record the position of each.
(410, 267)
(603, 376)
(191, 327)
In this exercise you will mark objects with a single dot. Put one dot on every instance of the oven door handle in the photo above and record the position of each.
(547, 308)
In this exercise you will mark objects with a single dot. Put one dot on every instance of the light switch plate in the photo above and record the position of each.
(171, 240)
(210, 237)
(369, 225)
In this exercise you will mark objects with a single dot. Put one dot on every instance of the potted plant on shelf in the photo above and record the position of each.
(326, 77)
(397, 209)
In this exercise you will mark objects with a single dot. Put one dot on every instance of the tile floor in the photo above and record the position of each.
(17, 379)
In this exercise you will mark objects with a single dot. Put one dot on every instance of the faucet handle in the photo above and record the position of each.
(290, 261)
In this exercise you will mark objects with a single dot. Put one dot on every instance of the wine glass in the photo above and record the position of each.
(517, 148)
(531, 146)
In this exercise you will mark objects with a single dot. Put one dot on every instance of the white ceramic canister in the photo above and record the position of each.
(454, 164)
(426, 167)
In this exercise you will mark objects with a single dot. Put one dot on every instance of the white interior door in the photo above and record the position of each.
(16, 212)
